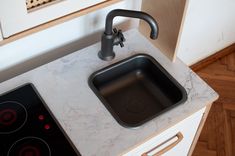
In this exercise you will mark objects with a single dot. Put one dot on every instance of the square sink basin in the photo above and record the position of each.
(136, 90)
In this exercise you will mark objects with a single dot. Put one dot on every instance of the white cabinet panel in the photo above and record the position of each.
(174, 141)
(15, 17)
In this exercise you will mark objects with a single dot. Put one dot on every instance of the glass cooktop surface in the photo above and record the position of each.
(28, 128)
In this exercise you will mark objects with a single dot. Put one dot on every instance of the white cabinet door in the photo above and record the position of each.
(15, 17)
(175, 141)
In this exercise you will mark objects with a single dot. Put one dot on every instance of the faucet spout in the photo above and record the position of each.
(113, 37)
(133, 14)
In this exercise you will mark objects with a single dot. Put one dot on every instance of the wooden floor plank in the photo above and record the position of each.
(202, 150)
(218, 135)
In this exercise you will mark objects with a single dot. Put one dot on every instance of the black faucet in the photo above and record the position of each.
(113, 37)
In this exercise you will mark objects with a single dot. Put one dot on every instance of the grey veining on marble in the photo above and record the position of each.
(63, 84)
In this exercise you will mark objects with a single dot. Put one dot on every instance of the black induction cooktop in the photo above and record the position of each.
(28, 128)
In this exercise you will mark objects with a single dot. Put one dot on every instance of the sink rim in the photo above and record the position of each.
(121, 62)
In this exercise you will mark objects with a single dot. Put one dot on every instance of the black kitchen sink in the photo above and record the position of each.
(136, 90)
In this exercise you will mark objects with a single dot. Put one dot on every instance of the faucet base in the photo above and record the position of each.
(106, 58)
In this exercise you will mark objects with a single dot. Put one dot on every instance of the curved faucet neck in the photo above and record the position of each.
(133, 14)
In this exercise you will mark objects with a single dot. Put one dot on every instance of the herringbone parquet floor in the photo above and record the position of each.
(218, 134)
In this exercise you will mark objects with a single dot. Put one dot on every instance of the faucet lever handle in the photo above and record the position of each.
(118, 37)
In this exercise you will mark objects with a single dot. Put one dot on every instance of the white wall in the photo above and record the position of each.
(209, 27)
(59, 40)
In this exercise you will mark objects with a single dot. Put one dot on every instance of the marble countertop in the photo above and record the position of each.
(63, 84)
